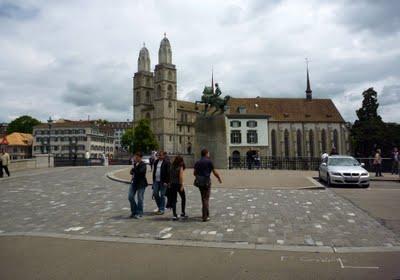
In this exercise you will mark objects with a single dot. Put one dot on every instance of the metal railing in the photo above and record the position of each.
(298, 163)
(269, 162)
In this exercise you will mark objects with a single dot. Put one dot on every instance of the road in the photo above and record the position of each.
(52, 258)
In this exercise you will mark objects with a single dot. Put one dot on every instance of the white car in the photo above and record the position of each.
(343, 170)
(146, 159)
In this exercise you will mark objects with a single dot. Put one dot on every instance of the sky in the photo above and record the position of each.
(73, 59)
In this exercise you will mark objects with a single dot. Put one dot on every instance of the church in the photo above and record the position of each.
(280, 127)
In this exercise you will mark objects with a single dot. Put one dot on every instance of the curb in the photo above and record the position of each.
(111, 176)
(205, 244)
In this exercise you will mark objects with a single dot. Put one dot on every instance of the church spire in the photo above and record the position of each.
(308, 90)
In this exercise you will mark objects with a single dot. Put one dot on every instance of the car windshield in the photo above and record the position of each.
(343, 162)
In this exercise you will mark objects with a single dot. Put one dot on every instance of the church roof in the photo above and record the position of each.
(17, 139)
(186, 105)
(287, 109)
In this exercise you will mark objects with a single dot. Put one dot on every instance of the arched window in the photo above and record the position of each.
(148, 100)
(148, 82)
(323, 141)
(159, 95)
(299, 143)
(170, 92)
(137, 97)
(286, 142)
(336, 140)
(311, 142)
(148, 116)
(273, 143)
(170, 75)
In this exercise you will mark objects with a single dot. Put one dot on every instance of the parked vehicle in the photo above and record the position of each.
(343, 170)
(146, 159)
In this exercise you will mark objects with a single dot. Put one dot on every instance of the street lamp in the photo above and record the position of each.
(49, 123)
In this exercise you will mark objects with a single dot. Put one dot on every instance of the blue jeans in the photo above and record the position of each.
(159, 191)
(136, 207)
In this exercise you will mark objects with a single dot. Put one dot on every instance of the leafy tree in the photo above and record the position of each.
(368, 132)
(22, 124)
(127, 140)
(141, 138)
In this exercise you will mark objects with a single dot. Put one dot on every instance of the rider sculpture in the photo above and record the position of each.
(212, 99)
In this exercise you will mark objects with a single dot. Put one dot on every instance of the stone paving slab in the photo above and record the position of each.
(83, 201)
(242, 178)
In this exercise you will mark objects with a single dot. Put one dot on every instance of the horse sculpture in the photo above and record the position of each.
(212, 99)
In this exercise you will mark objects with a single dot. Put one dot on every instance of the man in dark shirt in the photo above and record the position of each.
(202, 171)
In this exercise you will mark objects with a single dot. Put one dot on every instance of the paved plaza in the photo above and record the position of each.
(83, 201)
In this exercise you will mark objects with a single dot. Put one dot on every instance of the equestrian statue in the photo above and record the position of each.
(212, 99)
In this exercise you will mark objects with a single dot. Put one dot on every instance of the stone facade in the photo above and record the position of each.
(288, 127)
(155, 98)
(70, 139)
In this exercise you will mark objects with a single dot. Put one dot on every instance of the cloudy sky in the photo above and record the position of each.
(73, 58)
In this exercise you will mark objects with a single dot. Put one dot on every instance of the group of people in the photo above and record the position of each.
(253, 159)
(377, 162)
(4, 162)
(168, 183)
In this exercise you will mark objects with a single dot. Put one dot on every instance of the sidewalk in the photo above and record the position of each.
(386, 177)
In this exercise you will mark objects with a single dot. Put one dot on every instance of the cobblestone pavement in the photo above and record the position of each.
(83, 201)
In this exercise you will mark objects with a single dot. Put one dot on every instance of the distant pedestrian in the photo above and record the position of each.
(176, 186)
(334, 151)
(249, 158)
(395, 161)
(378, 163)
(161, 176)
(87, 158)
(1, 168)
(189, 148)
(5, 161)
(202, 172)
(138, 186)
(257, 159)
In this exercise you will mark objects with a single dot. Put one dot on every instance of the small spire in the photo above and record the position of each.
(165, 34)
(144, 44)
(308, 90)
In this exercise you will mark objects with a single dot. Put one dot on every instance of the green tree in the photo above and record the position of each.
(22, 124)
(368, 132)
(141, 138)
(127, 140)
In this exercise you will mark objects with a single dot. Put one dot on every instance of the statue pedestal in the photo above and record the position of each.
(211, 134)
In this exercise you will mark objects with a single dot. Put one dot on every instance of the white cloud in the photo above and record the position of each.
(77, 58)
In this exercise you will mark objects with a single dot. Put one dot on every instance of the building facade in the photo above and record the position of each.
(284, 127)
(72, 139)
(118, 129)
(155, 99)
(17, 145)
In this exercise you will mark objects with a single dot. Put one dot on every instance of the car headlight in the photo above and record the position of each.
(336, 174)
(364, 174)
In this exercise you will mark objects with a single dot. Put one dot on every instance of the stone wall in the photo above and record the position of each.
(40, 161)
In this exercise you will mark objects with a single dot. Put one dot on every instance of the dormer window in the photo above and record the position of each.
(242, 110)
(286, 115)
(251, 124)
(235, 124)
(308, 115)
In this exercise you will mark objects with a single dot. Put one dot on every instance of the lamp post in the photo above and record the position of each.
(49, 123)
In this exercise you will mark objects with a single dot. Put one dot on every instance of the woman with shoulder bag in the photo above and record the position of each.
(176, 186)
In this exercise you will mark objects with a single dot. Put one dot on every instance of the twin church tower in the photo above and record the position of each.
(155, 99)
